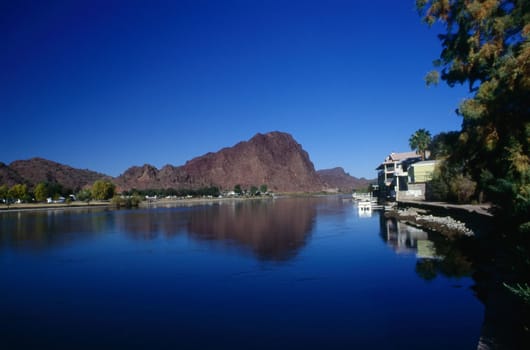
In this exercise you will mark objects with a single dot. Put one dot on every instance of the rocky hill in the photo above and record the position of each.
(274, 159)
(10, 177)
(341, 180)
(35, 170)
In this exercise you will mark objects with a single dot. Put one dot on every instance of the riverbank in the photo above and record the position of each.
(451, 220)
(45, 206)
(149, 203)
(102, 204)
(165, 202)
(480, 209)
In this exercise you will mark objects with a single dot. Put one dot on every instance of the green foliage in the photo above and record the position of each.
(462, 188)
(486, 44)
(432, 78)
(438, 188)
(450, 184)
(4, 190)
(213, 191)
(263, 188)
(253, 190)
(103, 189)
(85, 195)
(41, 192)
(209, 191)
(238, 190)
(419, 141)
(126, 201)
(18, 191)
(444, 144)
(520, 290)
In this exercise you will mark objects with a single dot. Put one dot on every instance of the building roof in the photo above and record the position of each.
(398, 157)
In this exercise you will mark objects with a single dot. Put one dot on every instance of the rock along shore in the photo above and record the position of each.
(445, 225)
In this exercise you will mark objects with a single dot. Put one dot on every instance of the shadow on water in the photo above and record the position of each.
(488, 260)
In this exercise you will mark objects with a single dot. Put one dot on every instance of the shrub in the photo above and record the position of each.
(126, 202)
(462, 188)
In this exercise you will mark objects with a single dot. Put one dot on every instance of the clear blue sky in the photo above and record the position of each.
(106, 85)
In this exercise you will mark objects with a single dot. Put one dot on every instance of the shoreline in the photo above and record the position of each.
(25, 207)
(52, 206)
(444, 225)
(450, 220)
(151, 203)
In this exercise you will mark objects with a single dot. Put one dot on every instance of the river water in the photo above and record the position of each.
(284, 273)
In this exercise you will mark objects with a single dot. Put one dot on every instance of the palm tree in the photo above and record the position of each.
(419, 141)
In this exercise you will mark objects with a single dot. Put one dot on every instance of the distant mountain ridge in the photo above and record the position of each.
(35, 170)
(9, 176)
(337, 178)
(274, 159)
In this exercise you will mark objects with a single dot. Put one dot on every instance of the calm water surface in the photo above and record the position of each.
(284, 273)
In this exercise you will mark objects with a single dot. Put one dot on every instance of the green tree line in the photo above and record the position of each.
(486, 45)
(100, 190)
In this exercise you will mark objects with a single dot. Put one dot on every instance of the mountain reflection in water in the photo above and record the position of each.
(166, 275)
(42, 229)
(272, 230)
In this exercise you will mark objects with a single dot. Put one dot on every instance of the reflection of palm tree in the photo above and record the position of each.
(419, 141)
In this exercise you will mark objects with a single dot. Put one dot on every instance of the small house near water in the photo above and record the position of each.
(404, 176)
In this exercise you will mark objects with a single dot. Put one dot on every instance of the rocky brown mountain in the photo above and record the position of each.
(10, 177)
(341, 180)
(35, 170)
(274, 159)
(140, 178)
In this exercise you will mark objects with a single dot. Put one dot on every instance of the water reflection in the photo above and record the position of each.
(505, 324)
(269, 230)
(406, 239)
(436, 255)
(152, 223)
(273, 230)
(42, 229)
(364, 211)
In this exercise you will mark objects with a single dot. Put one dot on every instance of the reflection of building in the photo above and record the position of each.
(426, 249)
(406, 239)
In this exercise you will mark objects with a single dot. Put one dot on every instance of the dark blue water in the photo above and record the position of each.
(285, 273)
